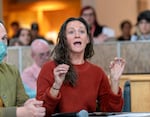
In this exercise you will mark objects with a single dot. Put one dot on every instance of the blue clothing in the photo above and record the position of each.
(30, 92)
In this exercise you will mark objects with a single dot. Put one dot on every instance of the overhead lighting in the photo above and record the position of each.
(47, 6)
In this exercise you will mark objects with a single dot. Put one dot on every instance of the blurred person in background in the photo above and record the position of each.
(15, 26)
(35, 31)
(40, 53)
(99, 32)
(125, 27)
(143, 27)
(13, 100)
(24, 36)
(15, 42)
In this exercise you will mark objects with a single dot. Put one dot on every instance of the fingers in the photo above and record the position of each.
(63, 68)
(116, 68)
(111, 64)
(34, 102)
(41, 109)
(117, 61)
(29, 101)
(34, 108)
(37, 103)
(39, 112)
(60, 73)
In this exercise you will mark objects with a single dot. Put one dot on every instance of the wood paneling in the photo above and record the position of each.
(140, 92)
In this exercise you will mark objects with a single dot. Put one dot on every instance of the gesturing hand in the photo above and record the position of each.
(59, 74)
(116, 68)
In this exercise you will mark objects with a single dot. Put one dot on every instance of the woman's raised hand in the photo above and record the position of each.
(59, 74)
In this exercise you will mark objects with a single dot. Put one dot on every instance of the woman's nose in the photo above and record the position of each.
(77, 34)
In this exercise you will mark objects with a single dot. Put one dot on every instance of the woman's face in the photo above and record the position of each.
(88, 15)
(77, 36)
(126, 30)
(25, 36)
(144, 27)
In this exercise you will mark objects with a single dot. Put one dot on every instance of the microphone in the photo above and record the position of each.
(82, 113)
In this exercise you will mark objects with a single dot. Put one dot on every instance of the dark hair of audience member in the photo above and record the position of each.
(94, 13)
(125, 22)
(144, 15)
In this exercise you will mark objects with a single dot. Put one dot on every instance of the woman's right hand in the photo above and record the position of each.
(59, 75)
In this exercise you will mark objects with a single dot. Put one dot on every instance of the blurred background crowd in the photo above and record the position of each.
(27, 20)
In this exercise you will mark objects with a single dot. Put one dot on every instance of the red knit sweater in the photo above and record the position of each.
(92, 85)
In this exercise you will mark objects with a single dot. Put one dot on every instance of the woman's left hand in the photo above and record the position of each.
(116, 68)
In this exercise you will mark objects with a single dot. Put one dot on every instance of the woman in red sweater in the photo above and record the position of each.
(70, 83)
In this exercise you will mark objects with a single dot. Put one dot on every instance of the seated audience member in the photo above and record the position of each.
(15, 42)
(13, 100)
(99, 32)
(125, 28)
(63, 81)
(15, 26)
(143, 27)
(40, 53)
(24, 36)
(35, 31)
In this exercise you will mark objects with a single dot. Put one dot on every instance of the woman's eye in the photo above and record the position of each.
(82, 31)
(70, 32)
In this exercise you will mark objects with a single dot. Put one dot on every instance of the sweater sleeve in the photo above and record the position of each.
(21, 96)
(108, 101)
(44, 83)
(8, 112)
(18, 95)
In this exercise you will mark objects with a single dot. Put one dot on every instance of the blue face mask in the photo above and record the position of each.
(3, 51)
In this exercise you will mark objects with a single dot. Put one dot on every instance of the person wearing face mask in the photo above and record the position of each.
(70, 83)
(13, 100)
(3, 51)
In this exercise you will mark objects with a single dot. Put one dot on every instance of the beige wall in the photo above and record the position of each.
(135, 54)
(88, 2)
(148, 4)
(112, 12)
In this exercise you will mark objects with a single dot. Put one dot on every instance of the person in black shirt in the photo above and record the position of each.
(100, 33)
(125, 27)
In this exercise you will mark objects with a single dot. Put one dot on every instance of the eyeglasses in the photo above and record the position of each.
(44, 54)
(87, 14)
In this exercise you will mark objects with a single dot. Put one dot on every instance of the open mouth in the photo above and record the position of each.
(77, 43)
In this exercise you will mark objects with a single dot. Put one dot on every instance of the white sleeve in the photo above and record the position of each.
(108, 31)
(134, 38)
